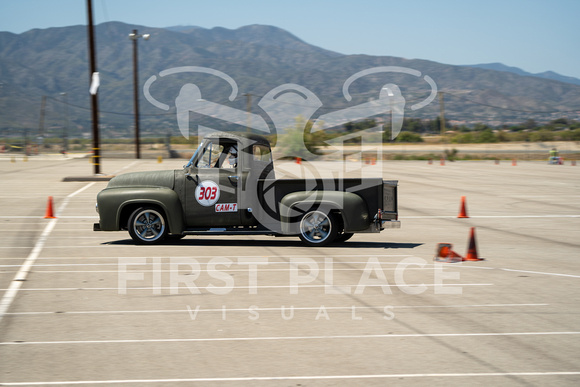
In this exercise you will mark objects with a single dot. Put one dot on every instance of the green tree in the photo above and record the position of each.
(542, 135)
(408, 137)
(571, 135)
(486, 136)
(414, 125)
(529, 124)
(463, 138)
(298, 141)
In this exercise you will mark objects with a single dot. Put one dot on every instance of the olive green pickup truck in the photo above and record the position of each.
(229, 187)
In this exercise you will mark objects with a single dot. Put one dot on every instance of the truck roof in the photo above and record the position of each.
(246, 139)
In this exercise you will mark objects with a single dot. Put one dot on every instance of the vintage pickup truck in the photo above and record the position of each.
(229, 187)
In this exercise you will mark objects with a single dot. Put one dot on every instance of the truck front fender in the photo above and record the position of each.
(352, 208)
(117, 204)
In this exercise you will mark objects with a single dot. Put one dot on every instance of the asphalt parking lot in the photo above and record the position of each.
(89, 308)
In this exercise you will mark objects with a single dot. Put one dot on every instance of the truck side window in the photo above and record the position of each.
(262, 153)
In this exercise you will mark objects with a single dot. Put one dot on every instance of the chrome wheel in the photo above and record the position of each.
(317, 229)
(147, 226)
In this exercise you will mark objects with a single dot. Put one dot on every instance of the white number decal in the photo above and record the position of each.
(207, 193)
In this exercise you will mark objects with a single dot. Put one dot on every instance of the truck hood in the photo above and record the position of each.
(144, 179)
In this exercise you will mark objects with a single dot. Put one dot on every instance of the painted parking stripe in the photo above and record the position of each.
(400, 216)
(20, 277)
(244, 287)
(542, 273)
(271, 309)
(306, 377)
(291, 338)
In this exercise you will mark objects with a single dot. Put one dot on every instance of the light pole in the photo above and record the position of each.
(134, 36)
(94, 98)
(65, 125)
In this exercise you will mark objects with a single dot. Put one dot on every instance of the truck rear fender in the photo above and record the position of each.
(350, 208)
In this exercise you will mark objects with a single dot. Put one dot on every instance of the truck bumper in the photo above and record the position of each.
(392, 224)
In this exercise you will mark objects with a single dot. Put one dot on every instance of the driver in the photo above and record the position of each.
(233, 156)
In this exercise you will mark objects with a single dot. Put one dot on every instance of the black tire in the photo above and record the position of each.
(147, 226)
(318, 228)
(344, 236)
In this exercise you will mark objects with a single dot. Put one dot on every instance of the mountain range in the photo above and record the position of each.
(258, 58)
(546, 74)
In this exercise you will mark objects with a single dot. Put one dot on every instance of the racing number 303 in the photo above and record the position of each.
(207, 193)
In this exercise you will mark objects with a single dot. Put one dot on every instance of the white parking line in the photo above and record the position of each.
(20, 277)
(272, 309)
(292, 338)
(400, 217)
(543, 273)
(244, 287)
(235, 257)
(60, 216)
(223, 271)
(311, 377)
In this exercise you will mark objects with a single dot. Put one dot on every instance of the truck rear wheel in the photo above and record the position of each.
(318, 228)
(147, 226)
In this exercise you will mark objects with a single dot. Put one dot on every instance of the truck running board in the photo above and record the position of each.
(228, 231)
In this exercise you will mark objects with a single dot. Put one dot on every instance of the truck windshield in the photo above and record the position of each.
(190, 162)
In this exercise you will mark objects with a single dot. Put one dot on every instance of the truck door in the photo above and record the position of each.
(211, 186)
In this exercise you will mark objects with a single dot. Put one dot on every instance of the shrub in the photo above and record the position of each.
(542, 135)
(409, 137)
(463, 138)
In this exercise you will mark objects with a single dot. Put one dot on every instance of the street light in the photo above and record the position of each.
(134, 36)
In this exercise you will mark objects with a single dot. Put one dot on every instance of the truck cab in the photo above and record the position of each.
(218, 179)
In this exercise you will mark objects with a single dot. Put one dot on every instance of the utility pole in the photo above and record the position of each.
(136, 95)
(65, 124)
(249, 110)
(41, 123)
(134, 37)
(94, 98)
(441, 113)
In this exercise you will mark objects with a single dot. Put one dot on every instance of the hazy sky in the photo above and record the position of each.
(534, 35)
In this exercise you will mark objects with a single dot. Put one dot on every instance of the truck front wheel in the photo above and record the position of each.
(344, 236)
(147, 226)
(318, 228)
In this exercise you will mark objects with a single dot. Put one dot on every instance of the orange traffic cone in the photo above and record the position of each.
(462, 209)
(514, 162)
(298, 160)
(472, 249)
(442, 161)
(49, 211)
(445, 253)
